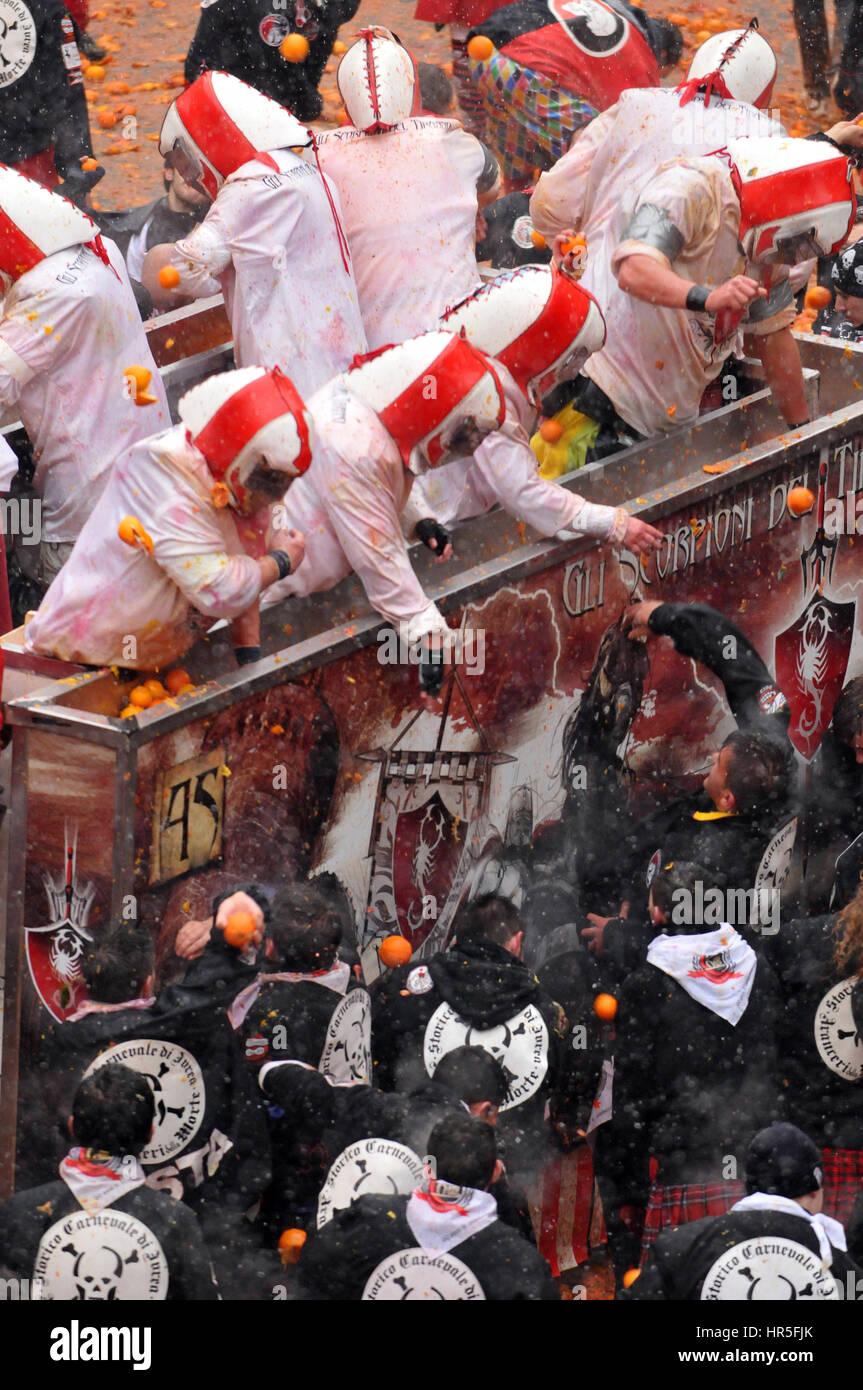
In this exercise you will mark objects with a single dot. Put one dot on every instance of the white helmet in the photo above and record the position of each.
(378, 81)
(538, 322)
(796, 198)
(220, 123)
(34, 223)
(245, 418)
(739, 65)
(426, 391)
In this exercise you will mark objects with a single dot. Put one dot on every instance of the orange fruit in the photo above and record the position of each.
(630, 1277)
(702, 36)
(140, 376)
(537, 238)
(140, 697)
(169, 277)
(573, 243)
(800, 501)
(339, 48)
(176, 679)
(131, 532)
(94, 73)
(118, 89)
(156, 689)
(107, 119)
(818, 297)
(294, 48)
(184, 689)
(129, 709)
(239, 929)
(291, 1243)
(550, 431)
(480, 48)
(605, 1006)
(394, 950)
(88, 164)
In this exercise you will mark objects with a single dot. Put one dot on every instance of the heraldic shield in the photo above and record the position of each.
(54, 951)
(428, 812)
(810, 663)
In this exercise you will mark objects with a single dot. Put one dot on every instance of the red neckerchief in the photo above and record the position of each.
(438, 1203)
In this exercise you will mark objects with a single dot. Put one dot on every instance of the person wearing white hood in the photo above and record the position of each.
(540, 326)
(410, 188)
(183, 534)
(396, 413)
(69, 327)
(272, 241)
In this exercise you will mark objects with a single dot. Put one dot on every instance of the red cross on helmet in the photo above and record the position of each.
(220, 123)
(538, 322)
(435, 394)
(34, 223)
(796, 198)
(245, 420)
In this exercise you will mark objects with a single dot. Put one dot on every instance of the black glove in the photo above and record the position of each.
(429, 530)
(78, 183)
(431, 671)
(247, 655)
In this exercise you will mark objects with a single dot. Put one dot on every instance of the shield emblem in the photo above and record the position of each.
(595, 28)
(54, 952)
(811, 658)
(427, 848)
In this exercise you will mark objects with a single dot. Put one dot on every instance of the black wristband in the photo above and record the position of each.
(696, 300)
(283, 561)
(827, 139)
(246, 655)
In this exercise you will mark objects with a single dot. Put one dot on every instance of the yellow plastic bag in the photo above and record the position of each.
(570, 451)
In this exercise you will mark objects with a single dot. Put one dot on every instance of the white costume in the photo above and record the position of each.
(503, 472)
(270, 244)
(191, 561)
(409, 205)
(350, 503)
(273, 240)
(595, 189)
(69, 327)
(108, 590)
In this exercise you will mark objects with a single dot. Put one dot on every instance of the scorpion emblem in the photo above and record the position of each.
(812, 662)
(432, 829)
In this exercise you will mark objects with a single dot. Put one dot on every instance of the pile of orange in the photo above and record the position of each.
(153, 691)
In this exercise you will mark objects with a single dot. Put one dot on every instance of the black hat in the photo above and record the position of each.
(846, 273)
(508, 242)
(784, 1160)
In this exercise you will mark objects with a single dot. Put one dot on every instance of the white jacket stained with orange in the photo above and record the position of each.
(503, 472)
(68, 329)
(201, 568)
(271, 243)
(409, 203)
(349, 506)
(652, 358)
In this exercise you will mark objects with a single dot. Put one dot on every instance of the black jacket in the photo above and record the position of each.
(690, 1088)
(339, 1259)
(151, 1247)
(819, 1039)
(43, 99)
(741, 1256)
(243, 36)
(479, 993)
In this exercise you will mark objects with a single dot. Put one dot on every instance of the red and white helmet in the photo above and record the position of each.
(378, 81)
(220, 123)
(435, 394)
(739, 65)
(796, 198)
(34, 223)
(538, 322)
(245, 418)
